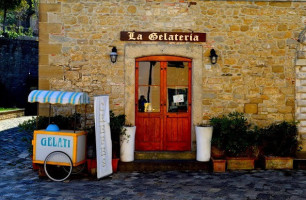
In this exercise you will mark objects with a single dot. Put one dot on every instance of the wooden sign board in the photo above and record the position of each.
(162, 36)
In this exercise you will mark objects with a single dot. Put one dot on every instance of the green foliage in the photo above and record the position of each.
(14, 12)
(116, 125)
(9, 4)
(14, 32)
(232, 134)
(279, 139)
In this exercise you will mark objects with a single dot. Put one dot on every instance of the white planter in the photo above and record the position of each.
(127, 144)
(203, 137)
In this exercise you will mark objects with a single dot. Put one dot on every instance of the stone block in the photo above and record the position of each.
(301, 62)
(290, 102)
(76, 8)
(301, 103)
(271, 90)
(69, 20)
(251, 108)
(209, 96)
(301, 89)
(244, 28)
(278, 69)
(50, 27)
(303, 110)
(43, 84)
(72, 75)
(256, 100)
(301, 117)
(50, 48)
(234, 28)
(282, 27)
(43, 17)
(83, 20)
(49, 7)
(43, 60)
(43, 38)
(280, 4)
(51, 71)
(285, 109)
(132, 9)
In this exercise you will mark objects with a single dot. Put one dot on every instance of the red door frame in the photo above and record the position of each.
(164, 116)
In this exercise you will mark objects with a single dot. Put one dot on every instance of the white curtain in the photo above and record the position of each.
(103, 136)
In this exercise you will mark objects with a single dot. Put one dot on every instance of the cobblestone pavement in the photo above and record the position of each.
(19, 181)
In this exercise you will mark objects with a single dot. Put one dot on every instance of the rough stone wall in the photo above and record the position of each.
(18, 72)
(256, 43)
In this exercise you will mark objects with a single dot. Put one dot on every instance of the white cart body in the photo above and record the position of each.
(73, 144)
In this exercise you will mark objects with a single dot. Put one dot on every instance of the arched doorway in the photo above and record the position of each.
(163, 103)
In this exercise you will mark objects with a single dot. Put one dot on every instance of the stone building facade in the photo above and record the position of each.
(256, 41)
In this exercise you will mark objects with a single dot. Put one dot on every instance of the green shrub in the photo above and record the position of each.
(232, 134)
(279, 139)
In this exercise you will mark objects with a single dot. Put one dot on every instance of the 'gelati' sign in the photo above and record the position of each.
(162, 36)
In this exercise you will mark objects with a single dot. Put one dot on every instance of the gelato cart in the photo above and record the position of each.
(60, 151)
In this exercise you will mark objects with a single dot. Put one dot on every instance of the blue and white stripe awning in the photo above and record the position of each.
(58, 97)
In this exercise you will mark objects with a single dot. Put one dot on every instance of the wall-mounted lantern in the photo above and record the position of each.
(213, 56)
(113, 55)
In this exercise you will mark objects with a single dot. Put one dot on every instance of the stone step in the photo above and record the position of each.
(165, 155)
(164, 165)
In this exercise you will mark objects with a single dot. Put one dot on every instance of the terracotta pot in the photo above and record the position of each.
(240, 163)
(91, 164)
(115, 162)
(272, 162)
(219, 165)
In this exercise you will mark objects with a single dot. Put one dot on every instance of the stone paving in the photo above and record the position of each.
(19, 181)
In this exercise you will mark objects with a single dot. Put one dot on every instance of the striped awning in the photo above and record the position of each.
(58, 97)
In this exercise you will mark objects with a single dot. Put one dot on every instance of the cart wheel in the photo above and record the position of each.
(58, 166)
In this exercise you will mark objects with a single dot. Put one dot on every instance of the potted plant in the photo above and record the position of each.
(279, 145)
(203, 138)
(127, 143)
(233, 135)
(218, 145)
(116, 126)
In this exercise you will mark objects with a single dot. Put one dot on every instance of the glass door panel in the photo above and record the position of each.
(177, 99)
(149, 73)
(149, 99)
(177, 86)
(177, 73)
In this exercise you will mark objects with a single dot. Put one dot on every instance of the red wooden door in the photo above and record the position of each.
(163, 103)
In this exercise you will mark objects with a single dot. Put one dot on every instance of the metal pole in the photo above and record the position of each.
(74, 118)
(37, 116)
(85, 116)
(49, 113)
